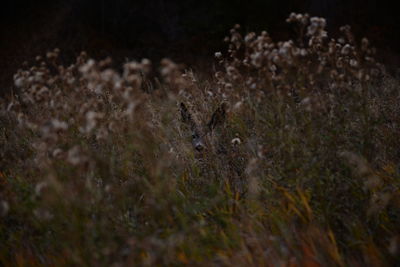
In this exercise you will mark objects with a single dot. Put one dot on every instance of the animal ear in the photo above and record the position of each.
(186, 116)
(218, 117)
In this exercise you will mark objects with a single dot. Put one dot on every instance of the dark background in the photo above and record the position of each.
(186, 30)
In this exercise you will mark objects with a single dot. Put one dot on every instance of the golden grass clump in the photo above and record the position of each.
(300, 164)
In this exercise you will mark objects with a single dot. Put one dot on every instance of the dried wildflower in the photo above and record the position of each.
(228, 86)
(236, 141)
(298, 18)
(59, 125)
(86, 68)
(92, 118)
(19, 82)
(364, 44)
(353, 63)
(316, 27)
(75, 156)
(39, 188)
(256, 59)
(146, 65)
(346, 50)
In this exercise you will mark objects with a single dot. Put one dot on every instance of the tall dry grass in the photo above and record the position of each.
(97, 166)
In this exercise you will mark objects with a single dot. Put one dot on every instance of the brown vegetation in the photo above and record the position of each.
(300, 165)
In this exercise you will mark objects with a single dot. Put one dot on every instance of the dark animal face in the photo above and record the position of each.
(199, 133)
(198, 141)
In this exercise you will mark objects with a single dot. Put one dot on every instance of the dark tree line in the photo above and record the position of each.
(126, 21)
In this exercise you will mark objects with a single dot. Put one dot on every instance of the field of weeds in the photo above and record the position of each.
(288, 155)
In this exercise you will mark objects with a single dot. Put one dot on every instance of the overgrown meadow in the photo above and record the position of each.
(298, 163)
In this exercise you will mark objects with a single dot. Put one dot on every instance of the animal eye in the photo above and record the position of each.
(194, 136)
